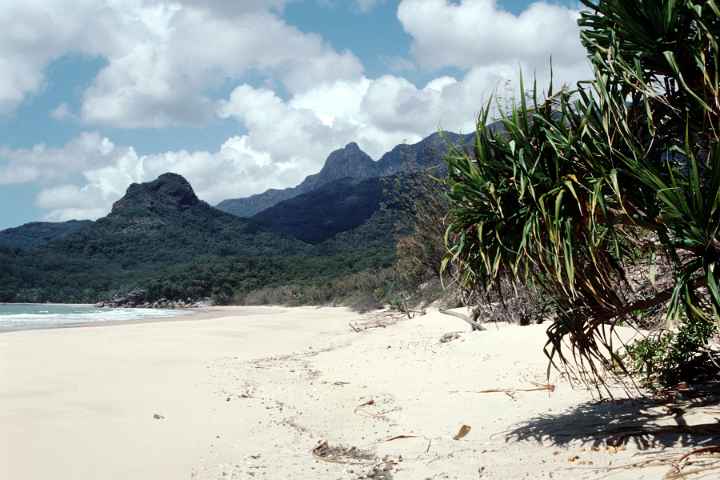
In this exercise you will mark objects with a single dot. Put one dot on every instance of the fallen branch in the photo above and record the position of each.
(511, 391)
(400, 437)
(474, 324)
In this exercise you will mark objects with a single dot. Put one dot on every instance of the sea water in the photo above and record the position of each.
(16, 316)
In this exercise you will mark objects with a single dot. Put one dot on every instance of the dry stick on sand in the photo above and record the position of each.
(472, 321)
(399, 437)
(510, 392)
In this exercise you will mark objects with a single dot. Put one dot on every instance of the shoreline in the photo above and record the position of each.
(51, 304)
(186, 314)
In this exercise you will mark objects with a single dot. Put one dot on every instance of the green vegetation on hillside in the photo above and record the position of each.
(162, 239)
(37, 234)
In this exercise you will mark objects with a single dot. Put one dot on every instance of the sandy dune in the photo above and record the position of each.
(249, 393)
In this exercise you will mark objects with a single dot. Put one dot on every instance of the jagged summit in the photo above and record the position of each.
(351, 155)
(346, 162)
(168, 191)
(349, 161)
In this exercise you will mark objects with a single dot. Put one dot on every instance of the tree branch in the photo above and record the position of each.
(476, 326)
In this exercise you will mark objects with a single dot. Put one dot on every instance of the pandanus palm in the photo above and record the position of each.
(583, 180)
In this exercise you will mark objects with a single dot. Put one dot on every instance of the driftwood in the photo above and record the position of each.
(400, 437)
(537, 388)
(510, 392)
(472, 321)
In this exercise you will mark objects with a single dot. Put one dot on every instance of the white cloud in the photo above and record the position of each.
(69, 202)
(494, 45)
(478, 32)
(305, 129)
(164, 80)
(44, 164)
(163, 56)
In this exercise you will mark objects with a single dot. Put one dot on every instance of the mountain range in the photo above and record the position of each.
(162, 238)
(352, 162)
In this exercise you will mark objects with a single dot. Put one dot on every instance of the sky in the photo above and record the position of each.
(240, 96)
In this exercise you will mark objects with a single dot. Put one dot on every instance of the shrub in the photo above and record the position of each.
(581, 179)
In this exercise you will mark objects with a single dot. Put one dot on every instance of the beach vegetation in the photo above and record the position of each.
(588, 184)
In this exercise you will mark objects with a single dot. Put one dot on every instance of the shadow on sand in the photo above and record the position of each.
(647, 423)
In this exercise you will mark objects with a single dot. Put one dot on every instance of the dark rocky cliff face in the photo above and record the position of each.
(169, 191)
(347, 162)
(426, 154)
(319, 215)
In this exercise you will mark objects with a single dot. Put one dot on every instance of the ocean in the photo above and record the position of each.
(15, 316)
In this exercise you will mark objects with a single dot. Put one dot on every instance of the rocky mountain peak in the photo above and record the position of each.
(168, 191)
(350, 161)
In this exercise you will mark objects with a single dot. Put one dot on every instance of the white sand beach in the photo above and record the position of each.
(249, 393)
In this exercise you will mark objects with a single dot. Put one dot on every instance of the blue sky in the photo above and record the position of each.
(243, 98)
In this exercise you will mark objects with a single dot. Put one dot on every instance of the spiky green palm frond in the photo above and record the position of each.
(565, 194)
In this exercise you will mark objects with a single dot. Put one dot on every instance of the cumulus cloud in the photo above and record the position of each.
(164, 81)
(377, 114)
(479, 32)
(163, 57)
(45, 164)
(35, 32)
(480, 37)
